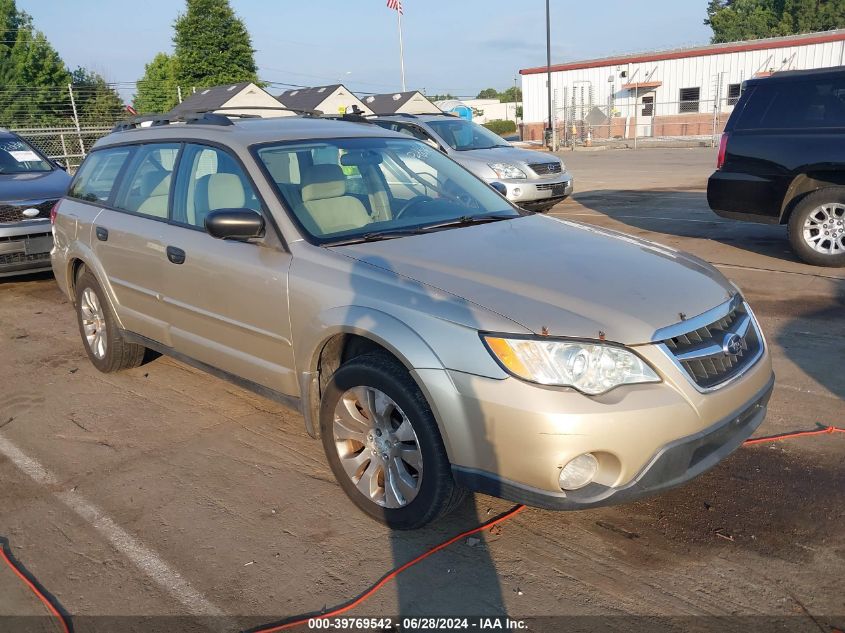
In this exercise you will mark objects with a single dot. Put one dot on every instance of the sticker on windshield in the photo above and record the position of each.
(25, 156)
(420, 153)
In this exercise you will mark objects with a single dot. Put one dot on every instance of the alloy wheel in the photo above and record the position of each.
(378, 447)
(93, 323)
(824, 229)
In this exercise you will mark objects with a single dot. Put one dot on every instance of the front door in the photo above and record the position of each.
(646, 114)
(226, 301)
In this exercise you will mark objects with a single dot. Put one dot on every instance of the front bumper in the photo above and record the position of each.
(510, 439)
(674, 464)
(538, 192)
(25, 247)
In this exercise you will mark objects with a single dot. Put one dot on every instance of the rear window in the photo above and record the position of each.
(789, 105)
(95, 179)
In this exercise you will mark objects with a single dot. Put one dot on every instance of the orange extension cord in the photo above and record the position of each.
(347, 606)
(33, 587)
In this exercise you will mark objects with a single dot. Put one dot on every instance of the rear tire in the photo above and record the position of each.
(817, 227)
(401, 434)
(106, 348)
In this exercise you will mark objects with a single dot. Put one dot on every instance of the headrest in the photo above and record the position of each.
(225, 191)
(323, 181)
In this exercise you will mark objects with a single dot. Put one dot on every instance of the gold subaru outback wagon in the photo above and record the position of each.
(435, 337)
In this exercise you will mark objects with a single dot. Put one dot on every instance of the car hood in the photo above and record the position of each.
(502, 155)
(557, 277)
(44, 185)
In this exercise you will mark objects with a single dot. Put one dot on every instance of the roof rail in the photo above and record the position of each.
(407, 115)
(303, 112)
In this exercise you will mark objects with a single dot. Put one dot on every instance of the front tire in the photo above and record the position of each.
(106, 348)
(817, 227)
(383, 444)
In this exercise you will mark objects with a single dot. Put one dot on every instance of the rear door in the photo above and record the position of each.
(226, 301)
(127, 238)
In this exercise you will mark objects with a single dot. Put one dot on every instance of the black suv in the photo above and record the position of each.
(782, 161)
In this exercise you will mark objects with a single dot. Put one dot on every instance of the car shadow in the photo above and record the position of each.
(466, 582)
(685, 213)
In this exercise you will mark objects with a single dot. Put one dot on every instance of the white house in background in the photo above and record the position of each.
(666, 93)
(411, 102)
(333, 99)
(245, 97)
(485, 110)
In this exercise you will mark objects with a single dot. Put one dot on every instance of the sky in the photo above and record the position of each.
(451, 46)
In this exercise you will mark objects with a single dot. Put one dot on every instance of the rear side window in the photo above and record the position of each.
(146, 186)
(805, 104)
(97, 174)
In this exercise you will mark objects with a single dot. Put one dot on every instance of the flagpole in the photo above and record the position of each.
(401, 46)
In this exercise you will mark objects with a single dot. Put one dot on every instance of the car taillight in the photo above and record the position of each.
(723, 146)
(54, 211)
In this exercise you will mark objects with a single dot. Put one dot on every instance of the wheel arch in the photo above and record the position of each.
(806, 183)
(351, 331)
(84, 257)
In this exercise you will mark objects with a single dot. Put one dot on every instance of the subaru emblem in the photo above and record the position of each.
(31, 213)
(732, 344)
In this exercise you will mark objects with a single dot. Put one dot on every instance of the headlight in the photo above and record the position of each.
(591, 368)
(506, 170)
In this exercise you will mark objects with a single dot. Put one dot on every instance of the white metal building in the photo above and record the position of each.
(681, 92)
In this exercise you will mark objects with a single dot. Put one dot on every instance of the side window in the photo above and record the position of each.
(146, 187)
(210, 179)
(807, 104)
(96, 176)
(412, 130)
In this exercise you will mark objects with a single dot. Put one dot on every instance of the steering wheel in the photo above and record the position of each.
(412, 203)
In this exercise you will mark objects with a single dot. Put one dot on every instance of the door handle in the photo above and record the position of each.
(102, 233)
(175, 255)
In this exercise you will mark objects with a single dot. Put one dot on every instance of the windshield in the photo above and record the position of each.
(344, 188)
(463, 135)
(16, 157)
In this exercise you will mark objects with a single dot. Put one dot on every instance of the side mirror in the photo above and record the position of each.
(234, 224)
(500, 187)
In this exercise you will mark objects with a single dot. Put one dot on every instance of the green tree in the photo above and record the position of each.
(96, 101)
(212, 46)
(488, 93)
(510, 95)
(157, 88)
(443, 97)
(34, 88)
(737, 20)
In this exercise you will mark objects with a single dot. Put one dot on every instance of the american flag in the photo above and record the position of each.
(396, 5)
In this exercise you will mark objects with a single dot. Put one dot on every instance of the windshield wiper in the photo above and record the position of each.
(377, 236)
(467, 220)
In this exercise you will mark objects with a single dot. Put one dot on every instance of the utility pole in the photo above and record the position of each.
(549, 72)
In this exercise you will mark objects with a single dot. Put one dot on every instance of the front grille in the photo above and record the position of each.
(14, 212)
(544, 169)
(10, 259)
(705, 352)
(546, 186)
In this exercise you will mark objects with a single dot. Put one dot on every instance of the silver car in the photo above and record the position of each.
(533, 180)
(437, 338)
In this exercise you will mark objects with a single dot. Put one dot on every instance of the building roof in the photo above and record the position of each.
(697, 51)
(209, 98)
(391, 102)
(307, 98)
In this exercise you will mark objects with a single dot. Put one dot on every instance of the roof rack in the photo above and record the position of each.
(156, 120)
(303, 112)
(203, 117)
(407, 115)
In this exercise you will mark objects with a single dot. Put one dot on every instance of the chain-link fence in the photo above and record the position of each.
(639, 121)
(68, 145)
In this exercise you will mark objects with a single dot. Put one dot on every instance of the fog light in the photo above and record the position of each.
(579, 472)
(517, 192)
